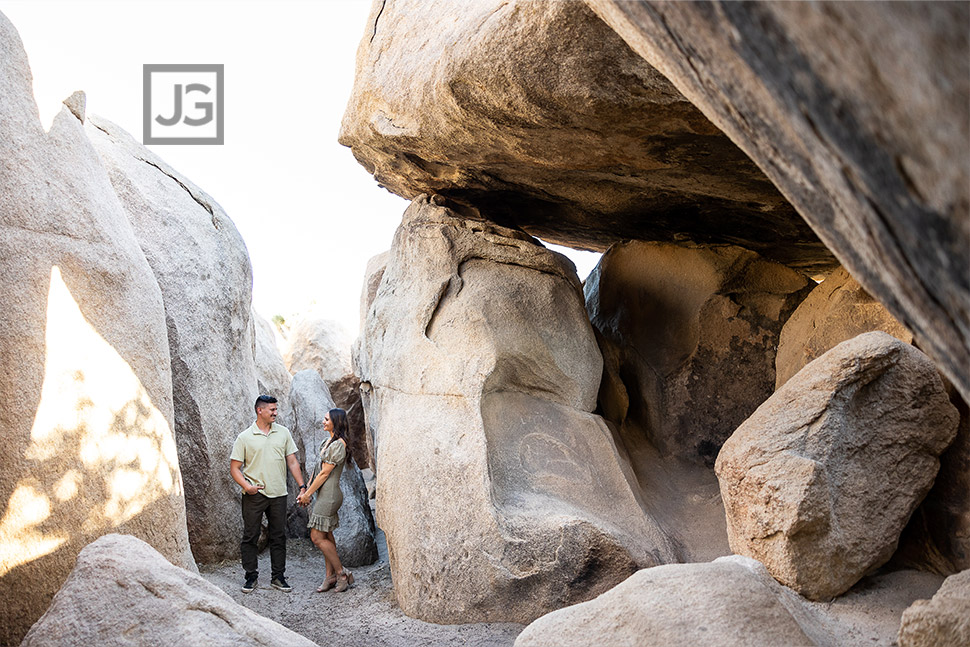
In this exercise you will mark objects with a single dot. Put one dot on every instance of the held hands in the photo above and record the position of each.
(303, 498)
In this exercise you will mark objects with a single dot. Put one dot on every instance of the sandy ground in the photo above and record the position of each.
(368, 615)
(365, 615)
(869, 614)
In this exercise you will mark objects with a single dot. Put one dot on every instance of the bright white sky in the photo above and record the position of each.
(311, 216)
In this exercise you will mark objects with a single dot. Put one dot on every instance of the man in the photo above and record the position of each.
(258, 464)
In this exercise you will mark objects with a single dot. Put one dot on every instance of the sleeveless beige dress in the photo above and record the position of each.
(323, 516)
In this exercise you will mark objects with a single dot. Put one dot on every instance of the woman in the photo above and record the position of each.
(323, 516)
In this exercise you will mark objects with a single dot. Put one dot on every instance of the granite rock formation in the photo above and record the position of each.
(943, 621)
(937, 538)
(689, 336)
(202, 267)
(372, 280)
(537, 115)
(272, 377)
(496, 483)
(819, 482)
(837, 309)
(731, 602)
(88, 440)
(122, 592)
(859, 112)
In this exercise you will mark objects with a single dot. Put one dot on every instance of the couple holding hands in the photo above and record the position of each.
(260, 457)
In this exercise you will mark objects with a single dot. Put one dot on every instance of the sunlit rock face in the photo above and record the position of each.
(536, 114)
(85, 377)
(860, 113)
(501, 495)
(202, 267)
(837, 309)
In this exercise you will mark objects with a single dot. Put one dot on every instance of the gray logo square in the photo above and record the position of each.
(183, 104)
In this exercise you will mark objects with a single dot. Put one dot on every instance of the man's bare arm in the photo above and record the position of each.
(294, 464)
(235, 469)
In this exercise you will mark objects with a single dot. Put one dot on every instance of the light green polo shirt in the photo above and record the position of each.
(263, 457)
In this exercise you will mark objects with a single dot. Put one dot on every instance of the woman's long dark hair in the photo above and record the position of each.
(341, 428)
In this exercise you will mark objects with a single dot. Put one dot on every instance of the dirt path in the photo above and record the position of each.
(366, 615)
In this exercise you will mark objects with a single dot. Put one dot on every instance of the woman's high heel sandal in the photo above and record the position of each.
(327, 584)
(344, 580)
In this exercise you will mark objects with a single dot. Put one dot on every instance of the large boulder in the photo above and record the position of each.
(536, 114)
(122, 593)
(356, 535)
(689, 335)
(87, 444)
(325, 346)
(943, 621)
(202, 266)
(819, 482)
(730, 602)
(860, 113)
(836, 310)
(321, 344)
(496, 483)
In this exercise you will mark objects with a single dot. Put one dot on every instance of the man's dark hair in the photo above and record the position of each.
(264, 400)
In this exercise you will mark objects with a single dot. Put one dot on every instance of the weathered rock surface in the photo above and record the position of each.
(818, 483)
(732, 601)
(123, 592)
(202, 266)
(272, 377)
(87, 439)
(860, 113)
(356, 534)
(943, 621)
(836, 310)
(373, 275)
(537, 115)
(320, 344)
(495, 484)
(325, 346)
(688, 336)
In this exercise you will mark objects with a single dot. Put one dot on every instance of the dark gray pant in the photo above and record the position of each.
(253, 507)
